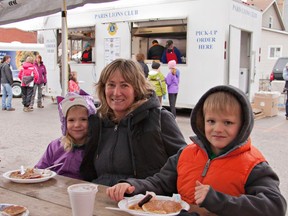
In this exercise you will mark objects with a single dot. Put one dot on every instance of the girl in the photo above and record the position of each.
(74, 111)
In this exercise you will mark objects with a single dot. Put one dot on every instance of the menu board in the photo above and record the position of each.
(112, 49)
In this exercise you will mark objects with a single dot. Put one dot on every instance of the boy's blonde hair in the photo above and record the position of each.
(219, 102)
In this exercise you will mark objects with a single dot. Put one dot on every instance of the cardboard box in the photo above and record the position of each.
(267, 102)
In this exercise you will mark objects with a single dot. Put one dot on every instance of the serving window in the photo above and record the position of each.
(144, 32)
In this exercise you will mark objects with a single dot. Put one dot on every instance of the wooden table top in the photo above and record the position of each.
(51, 197)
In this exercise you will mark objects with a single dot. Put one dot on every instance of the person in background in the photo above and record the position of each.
(285, 77)
(221, 172)
(39, 83)
(172, 81)
(6, 82)
(156, 50)
(73, 83)
(140, 59)
(74, 111)
(87, 53)
(28, 70)
(157, 79)
(171, 53)
(130, 136)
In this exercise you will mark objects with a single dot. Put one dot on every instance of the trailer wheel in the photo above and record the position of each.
(16, 89)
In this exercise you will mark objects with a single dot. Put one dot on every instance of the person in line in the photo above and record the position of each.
(73, 83)
(172, 81)
(28, 70)
(131, 136)
(156, 50)
(39, 83)
(157, 79)
(221, 172)
(74, 111)
(140, 59)
(87, 53)
(171, 53)
(6, 82)
(285, 77)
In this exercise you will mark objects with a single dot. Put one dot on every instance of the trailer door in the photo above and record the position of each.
(234, 56)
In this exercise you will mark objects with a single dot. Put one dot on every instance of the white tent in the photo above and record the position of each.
(18, 10)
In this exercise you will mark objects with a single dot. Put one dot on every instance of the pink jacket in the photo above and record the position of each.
(28, 69)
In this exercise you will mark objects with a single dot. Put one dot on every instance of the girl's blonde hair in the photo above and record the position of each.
(132, 74)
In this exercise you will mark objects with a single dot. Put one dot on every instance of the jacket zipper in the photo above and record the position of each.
(206, 168)
(116, 127)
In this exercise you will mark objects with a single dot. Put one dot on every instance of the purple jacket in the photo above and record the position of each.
(172, 82)
(42, 73)
(55, 154)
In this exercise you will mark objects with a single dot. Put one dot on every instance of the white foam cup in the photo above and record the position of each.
(82, 198)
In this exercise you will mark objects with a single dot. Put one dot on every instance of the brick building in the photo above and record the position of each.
(13, 34)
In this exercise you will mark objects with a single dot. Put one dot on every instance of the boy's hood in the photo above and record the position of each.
(247, 116)
(153, 72)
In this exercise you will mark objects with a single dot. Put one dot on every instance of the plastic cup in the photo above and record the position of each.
(82, 198)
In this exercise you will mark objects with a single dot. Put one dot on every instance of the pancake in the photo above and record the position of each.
(14, 210)
(162, 206)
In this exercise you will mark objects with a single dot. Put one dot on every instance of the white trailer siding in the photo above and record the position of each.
(222, 37)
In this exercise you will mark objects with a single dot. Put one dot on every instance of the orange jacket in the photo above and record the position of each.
(227, 173)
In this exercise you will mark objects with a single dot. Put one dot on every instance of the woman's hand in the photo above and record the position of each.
(201, 192)
(117, 192)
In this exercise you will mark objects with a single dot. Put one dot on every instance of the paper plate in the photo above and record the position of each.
(50, 174)
(125, 203)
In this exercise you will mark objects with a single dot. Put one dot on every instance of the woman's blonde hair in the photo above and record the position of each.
(132, 74)
(30, 59)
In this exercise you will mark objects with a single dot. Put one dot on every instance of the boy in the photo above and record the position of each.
(220, 172)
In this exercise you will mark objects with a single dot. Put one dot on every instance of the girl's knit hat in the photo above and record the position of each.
(73, 99)
(172, 64)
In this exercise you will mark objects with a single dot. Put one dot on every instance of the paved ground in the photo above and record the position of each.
(24, 137)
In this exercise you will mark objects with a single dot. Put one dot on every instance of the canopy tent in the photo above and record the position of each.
(18, 10)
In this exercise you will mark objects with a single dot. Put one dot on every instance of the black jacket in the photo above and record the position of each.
(6, 74)
(136, 147)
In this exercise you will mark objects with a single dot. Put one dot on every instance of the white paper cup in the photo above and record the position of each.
(82, 198)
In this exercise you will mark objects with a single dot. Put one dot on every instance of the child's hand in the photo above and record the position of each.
(173, 71)
(117, 192)
(200, 192)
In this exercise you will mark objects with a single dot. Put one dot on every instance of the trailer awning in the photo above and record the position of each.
(18, 10)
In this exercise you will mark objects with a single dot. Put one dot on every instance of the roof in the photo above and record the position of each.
(264, 5)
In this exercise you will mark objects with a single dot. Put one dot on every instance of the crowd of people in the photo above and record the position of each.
(133, 145)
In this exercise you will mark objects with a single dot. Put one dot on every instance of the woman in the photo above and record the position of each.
(28, 76)
(130, 136)
(40, 83)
